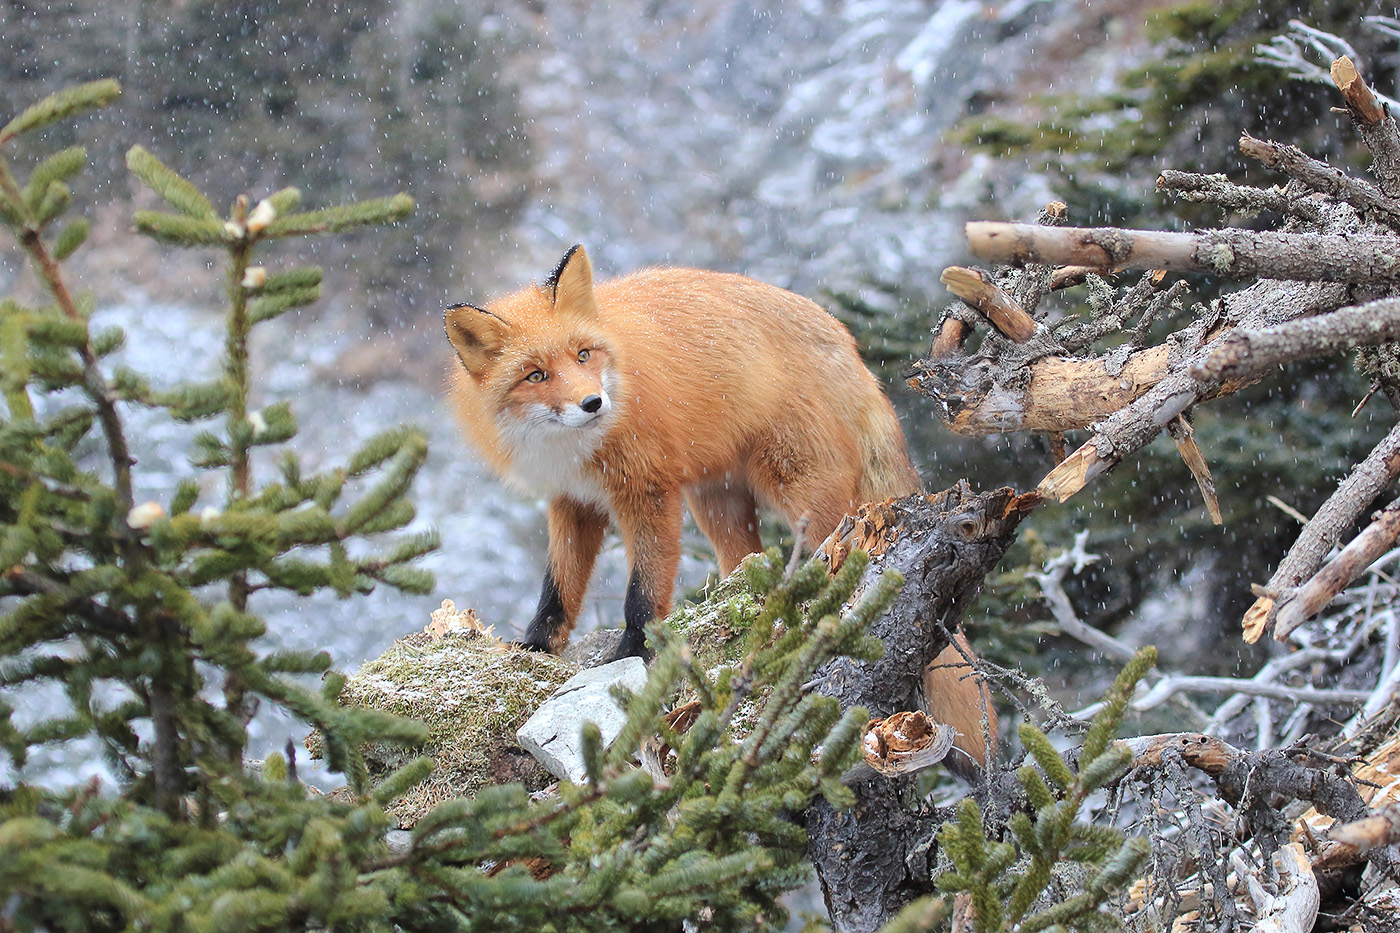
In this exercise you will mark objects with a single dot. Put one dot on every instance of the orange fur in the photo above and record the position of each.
(621, 399)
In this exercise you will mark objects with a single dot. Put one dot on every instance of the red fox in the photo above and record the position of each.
(620, 400)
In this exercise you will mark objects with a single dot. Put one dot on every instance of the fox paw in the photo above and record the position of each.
(633, 644)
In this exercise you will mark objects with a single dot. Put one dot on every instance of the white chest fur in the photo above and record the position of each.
(548, 459)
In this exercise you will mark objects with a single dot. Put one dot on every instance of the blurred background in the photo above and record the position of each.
(834, 148)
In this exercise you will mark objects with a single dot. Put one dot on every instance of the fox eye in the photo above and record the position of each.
(583, 355)
(535, 376)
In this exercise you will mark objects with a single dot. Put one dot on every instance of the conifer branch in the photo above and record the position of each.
(60, 106)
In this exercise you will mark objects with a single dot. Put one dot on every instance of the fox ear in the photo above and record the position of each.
(476, 334)
(570, 285)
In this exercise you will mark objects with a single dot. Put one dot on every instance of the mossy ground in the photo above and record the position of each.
(472, 691)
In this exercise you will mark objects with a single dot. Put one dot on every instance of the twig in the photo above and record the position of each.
(1320, 176)
(1219, 190)
(1286, 51)
(1051, 583)
(1173, 684)
(1277, 667)
(1206, 849)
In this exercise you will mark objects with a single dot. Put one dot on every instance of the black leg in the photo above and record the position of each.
(548, 618)
(637, 611)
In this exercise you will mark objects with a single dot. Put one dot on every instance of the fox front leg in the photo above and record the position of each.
(651, 529)
(575, 536)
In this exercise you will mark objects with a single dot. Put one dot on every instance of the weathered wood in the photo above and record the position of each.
(983, 295)
(872, 859)
(1231, 254)
(1203, 752)
(1060, 395)
(1245, 354)
(1307, 600)
(1180, 430)
(1290, 901)
(1319, 176)
(1129, 429)
(1219, 190)
(1324, 529)
(1374, 124)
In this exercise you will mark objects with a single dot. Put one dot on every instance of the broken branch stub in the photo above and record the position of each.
(983, 295)
(1307, 600)
(1373, 123)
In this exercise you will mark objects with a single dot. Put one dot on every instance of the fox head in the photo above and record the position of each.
(539, 357)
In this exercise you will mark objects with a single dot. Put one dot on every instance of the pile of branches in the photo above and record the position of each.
(1325, 282)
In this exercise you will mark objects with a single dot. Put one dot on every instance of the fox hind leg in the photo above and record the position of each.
(727, 513)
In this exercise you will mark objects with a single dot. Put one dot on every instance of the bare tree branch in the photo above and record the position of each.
(1371, 114)
(1231, 254)
(1322, 532)
(1319, 176)
(1217, 189)
(1246, 354)
(1294, 608)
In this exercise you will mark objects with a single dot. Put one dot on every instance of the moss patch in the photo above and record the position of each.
(716, 628)
(472, 691)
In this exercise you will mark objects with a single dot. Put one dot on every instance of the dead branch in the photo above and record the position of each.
(1219, 190)
(1231, 254)
(1056, 395)
(1246, 354)
(1173, 684)
(1373, 122)
(1294, 608)
(980, 293)
(1292, 906)
(1069, 276)
(1276, 668)
(1131, 427)
(1251, 782)
(1319, 176)
(950, 337)
(1202, 752)
(1051, 583)
(1352, 497)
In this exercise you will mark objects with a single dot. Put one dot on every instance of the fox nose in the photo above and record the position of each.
(591, 403)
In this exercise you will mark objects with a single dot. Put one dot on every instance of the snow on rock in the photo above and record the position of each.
(554, 733)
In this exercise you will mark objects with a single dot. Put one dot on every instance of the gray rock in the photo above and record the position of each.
(592, 649)
(552, 734)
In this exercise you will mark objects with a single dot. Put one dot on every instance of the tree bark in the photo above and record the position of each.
(875, 858)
